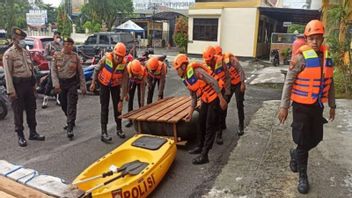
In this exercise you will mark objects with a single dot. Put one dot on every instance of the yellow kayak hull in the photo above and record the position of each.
(130, 186)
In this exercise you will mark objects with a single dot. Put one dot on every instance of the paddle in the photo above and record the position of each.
(134, 169)
(111, 172)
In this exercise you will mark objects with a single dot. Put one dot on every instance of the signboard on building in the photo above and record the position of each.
(36, 17)
(287, 24)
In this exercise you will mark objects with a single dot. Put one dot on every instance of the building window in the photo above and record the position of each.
(205, 29)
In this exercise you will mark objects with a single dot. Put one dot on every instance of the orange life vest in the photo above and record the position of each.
(157, 73)
(110, 75)
(313, 83)
(136, 78)
(202, 89)
(218, 68)
(234, 74)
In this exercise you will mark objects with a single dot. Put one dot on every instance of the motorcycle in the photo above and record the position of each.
(275, 57)
(150, 53)
(3, 95)
(88, 74)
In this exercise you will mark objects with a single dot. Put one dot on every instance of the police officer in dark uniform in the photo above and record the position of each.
(67, 73)
(20, 84)
(50, 49)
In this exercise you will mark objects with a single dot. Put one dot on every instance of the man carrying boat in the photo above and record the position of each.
(202, 83)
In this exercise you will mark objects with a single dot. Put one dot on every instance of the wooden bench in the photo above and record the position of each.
(169, 110)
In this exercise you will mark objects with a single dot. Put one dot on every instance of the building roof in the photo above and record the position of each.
(297, 16)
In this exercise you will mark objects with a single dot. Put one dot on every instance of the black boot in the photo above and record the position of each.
(223, 126)
(240, 131)
(196, 150)
(33, 135)
(303, 184)
(65, 127)
(201, 159)
(120, 133)
(21, 140)
(70, 134)
(129, 124)
(104, 134)
(293, 161)
(219, 140)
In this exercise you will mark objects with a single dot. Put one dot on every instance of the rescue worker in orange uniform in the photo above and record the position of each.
(215, 62)
(238, 87)
(112, 76)
(137, 80)
(299, 42)
(309, 83)
(156, 75)
(202, 83)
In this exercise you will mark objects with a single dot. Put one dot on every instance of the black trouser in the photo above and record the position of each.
(307, 130)
(68, 98)
(151, 86)
(208, 121)
(132, 89)
(25, 101)
(240, 107)
(48, 85)
(105, 92)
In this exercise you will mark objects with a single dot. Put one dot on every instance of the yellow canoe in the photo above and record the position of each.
(138, 166)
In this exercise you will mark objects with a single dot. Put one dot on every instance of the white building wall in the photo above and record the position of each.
(236, 30)
(197, 47)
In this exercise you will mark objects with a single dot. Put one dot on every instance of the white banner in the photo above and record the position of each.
(36, 17)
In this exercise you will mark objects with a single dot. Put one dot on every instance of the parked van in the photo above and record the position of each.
(105, 41)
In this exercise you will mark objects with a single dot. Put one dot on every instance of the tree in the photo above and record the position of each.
(13, 13)
(181, 33)
(92, 26)
(339, 39)
(63, 22)
(106, 10)
(296, 27)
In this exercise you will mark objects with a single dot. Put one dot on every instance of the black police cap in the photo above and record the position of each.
(18, 31)
(57, 33)
(68, 39)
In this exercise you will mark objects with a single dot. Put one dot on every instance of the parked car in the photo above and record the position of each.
(36, 46)
(105, 41)
(4, 42)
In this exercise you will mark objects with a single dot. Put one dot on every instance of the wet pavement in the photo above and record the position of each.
(59, 157)
(258, 166)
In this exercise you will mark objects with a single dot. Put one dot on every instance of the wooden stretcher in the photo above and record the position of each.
(169, 111)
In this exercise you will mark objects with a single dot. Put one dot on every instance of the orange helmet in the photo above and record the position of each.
(208, 53)
(136, 67)
(180, 60)
(314, 27)
(120, 49)
(218, 50)
(153, 63)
